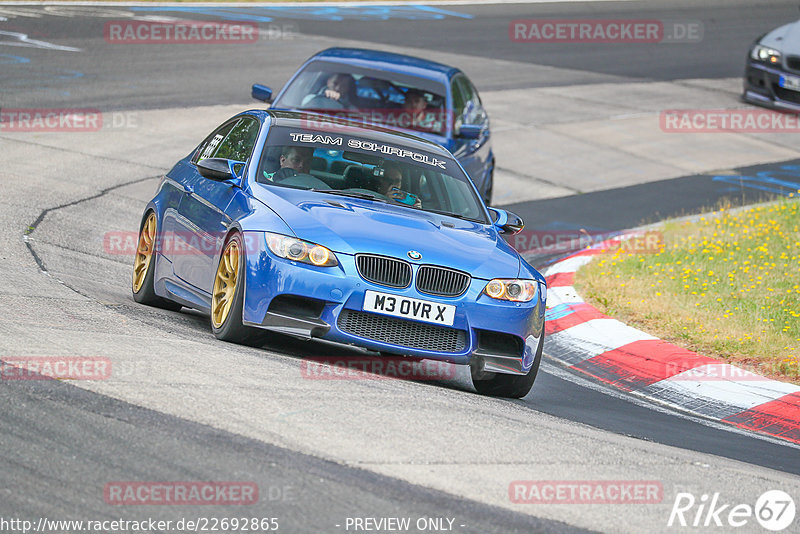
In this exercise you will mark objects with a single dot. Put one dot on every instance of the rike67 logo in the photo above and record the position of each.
(774, 510)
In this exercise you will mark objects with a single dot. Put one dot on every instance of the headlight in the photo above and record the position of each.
(766, 54)
(511, 289)
(296, 250)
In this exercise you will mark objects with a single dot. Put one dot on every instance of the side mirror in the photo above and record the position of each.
(216, 169)
(506, 221)
(470, 131)
(261, 92)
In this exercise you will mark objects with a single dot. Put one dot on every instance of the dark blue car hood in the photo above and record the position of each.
(349, 226)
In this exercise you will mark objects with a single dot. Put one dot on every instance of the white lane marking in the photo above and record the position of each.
(61, 9)
(570, 265)
(156, 18)
(655, 404)
(598, 336)
(13, 13)
(743, 390)
(22, 39)
(67, 9)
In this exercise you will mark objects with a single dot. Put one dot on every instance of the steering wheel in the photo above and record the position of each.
(323, 102)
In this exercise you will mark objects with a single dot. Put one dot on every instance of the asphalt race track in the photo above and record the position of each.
(575, 130)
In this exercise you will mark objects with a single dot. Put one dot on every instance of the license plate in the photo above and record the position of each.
(790, 82)
(408, 308)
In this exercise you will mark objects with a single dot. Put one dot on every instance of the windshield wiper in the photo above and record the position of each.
(352, 194)
(456, 215)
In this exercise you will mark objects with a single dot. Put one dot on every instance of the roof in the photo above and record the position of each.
(387, 61)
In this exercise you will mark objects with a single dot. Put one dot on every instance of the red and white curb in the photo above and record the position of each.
(585, 340)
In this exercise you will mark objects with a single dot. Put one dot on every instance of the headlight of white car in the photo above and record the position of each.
(295, 249)
(511, 289)
(766, 54)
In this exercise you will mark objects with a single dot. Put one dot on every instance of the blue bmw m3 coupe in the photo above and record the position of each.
(318, 227)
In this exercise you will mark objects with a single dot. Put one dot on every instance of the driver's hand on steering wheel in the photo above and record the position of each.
(333, 95)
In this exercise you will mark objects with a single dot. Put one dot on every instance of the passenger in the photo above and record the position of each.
(416, 105)
(294, 160)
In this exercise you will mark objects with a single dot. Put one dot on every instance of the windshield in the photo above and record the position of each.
(360, 167)
(389, 99)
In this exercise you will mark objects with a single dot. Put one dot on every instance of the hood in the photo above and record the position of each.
(349, 226)
(785, 38)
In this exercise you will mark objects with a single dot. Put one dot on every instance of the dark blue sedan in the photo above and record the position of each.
(317, 227)
(431, 100)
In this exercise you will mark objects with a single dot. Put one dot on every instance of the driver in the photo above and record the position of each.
(294, 160)
(339, 88)
(392, 182)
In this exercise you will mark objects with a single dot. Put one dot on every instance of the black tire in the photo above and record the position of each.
(511, 386)
(146, 294)
(232, 329)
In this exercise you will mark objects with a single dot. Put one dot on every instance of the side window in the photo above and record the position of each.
(209, 146)
(473, 112)
(458, 101)
(239, 143)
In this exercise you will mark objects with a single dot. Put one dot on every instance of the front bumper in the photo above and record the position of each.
(762, 86)
(326, 302)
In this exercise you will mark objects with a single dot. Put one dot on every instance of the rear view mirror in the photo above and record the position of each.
(470, 131)
(506, 221)
(216, 169)
(261, 92)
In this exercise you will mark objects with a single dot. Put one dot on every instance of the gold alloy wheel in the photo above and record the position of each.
(144, 252)
(225, 284)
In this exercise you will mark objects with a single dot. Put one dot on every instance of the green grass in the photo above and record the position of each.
(727, 286)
